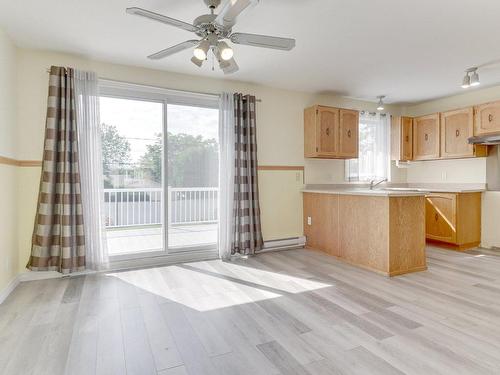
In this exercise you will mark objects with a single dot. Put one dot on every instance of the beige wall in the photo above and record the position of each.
(280, 137)
(279, 132)
(8, 173)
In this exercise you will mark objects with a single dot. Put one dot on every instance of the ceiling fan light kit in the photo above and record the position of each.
(214, 29)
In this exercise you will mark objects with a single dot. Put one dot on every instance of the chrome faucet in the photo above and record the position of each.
(373, 183)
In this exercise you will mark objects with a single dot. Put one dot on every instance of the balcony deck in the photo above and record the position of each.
(127, 240)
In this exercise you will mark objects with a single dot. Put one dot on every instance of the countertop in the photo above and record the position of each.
(364, 191)
(397, 190)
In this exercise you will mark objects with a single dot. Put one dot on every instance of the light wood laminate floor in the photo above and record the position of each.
(292, 312)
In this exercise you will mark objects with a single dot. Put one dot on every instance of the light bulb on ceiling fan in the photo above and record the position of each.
(226, 52)
(201, 50)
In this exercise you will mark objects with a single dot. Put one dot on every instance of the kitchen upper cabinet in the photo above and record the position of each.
(348, 133)
(456, 128)
(487, 118)
(330, 133)
(426, 137)
(401, 138)
(328, 121)
(454, 218)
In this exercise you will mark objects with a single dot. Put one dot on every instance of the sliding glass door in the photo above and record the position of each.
(193, 174)
(132, 150)
(160, 164)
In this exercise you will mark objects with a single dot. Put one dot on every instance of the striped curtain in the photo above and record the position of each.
(247, 237)
(58, 238)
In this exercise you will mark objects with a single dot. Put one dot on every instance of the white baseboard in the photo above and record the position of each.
(9, 288)
(38, 275)
(284, 244)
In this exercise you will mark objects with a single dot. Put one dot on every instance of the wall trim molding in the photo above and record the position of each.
(280, 167)
(38, 163)
(5, 292)
(20, 163)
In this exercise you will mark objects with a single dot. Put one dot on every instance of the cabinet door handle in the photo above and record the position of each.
(457, 133)
(407, 139)
(327, 131)
(436, 216)
(426, 137)
(490, 118)
(349, 133)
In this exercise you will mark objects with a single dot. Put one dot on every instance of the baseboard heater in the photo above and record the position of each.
(284, 244)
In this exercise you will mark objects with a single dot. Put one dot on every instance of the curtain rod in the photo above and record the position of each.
(257, 100)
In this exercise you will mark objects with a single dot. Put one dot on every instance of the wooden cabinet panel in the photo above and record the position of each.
(328, 127)
(454, 218)
(401, 138)
(322, 233)
(383, 234)
(426, 137)
(330, 133)
(468, 218)
(348, 133)
(487, 118)
(310, 133)
(440, 217)
(456, 127)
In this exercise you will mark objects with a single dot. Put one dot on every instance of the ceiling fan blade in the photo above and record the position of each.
(264, 41)
(231, 10)
(161, 18)
(174, 49)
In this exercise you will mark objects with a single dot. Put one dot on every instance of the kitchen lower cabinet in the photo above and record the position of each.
(454, 219)
(385, 234)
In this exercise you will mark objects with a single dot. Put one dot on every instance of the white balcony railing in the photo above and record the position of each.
(138, 207)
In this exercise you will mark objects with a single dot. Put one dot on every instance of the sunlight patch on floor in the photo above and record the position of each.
(211, 285)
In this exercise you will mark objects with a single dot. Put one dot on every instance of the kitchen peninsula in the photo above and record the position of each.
(340, 222)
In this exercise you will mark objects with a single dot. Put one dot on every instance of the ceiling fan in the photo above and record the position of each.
(214, 29)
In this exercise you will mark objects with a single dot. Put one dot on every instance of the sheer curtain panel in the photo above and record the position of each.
(92, 190)
(374, 158)
(226, 174)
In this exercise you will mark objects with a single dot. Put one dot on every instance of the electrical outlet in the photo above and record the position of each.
(297, 177)
(309, 220)
(443, 176)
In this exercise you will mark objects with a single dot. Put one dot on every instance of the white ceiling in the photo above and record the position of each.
(408, 50)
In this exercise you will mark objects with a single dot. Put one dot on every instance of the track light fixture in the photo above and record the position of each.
(471, 78)
(380, 106)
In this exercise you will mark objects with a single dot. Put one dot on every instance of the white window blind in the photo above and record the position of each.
(374, 155)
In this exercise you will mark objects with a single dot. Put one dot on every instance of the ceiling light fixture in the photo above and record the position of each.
(474, 78)
(380, 106)
(200, 52)
(471, 78)
(196, 61)
(215, 29)
(226, 52)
